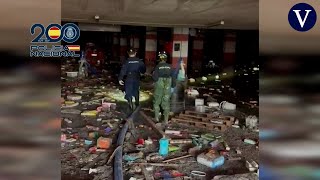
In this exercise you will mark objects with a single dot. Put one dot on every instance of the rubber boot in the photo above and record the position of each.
(166, 118)
(131, 105)
(137, 103)
(156, 115)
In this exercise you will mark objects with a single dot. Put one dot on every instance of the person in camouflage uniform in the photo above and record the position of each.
(164, 79)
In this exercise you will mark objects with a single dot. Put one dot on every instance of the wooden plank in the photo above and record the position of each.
(208, 117)
(159, 164)
(204, 120)
(230, 118)
(205, 125)
(199, 113)
(177, 158)
(152, 124)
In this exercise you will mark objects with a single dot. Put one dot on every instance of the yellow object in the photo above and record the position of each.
(69, 102)
(89, 113)
(173, 148)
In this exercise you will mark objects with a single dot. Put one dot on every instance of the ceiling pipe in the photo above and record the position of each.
(136, 23)
(219, 23)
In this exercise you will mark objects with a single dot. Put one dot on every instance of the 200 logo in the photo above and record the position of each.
(55, 33)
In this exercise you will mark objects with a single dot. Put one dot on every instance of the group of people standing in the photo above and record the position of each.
(164, 78)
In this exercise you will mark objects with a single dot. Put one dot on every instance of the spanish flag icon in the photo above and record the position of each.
(73, 47)
(54, 32)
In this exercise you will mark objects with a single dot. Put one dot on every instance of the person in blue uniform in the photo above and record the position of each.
(129, 76)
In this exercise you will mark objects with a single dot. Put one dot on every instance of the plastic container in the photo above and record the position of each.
(199, 102)
(227, 106)
(213, 104)
(72, 74)
(201, 109)
(87, 142)
(133, 156)
(202, 159)
(164, 146)
(251, 122)
(104, 143)
(249, 141)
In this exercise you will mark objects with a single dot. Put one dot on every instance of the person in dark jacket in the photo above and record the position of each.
(129, 76)
(164, 79)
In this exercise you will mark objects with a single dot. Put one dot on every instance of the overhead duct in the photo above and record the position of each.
(99, 27)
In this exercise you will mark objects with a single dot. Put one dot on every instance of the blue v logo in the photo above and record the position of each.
(302, 17)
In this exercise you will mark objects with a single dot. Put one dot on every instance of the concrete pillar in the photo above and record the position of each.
(115, 45)
(180, 45)
(123, 47)
(131, 41)
(136, 44)
(197, 52)
(229, 51)
(151, 48)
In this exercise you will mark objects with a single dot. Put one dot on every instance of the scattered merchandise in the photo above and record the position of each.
(251, 122)
(204, 137)
(227, 106)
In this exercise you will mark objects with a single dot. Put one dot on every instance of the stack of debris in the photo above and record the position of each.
(200, 151)
(209, 121)
(90, 124)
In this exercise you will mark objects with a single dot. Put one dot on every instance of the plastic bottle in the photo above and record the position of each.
(202, 159)
(164, 146)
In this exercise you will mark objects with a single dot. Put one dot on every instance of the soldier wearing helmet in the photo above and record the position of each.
(164, 79)
(130, 77)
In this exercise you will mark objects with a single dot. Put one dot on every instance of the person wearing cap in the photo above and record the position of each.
(129, 76)
(164, 79)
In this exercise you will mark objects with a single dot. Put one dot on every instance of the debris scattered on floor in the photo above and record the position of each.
(210, 139)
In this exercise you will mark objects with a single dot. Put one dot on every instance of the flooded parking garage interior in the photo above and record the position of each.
(212, 131)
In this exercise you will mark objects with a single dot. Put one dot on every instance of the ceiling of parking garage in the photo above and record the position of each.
(237, 14)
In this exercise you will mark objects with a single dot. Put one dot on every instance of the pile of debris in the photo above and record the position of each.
(194, 145)
(90, 125)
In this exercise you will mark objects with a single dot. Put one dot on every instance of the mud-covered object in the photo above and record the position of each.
(247, 176)
(104, 172)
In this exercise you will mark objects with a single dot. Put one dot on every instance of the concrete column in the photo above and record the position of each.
(136, 44)
(115, 45)
(197, 52)
(229, 52)
(180, 41)
(131, 41)
(123, 47)
(151, 48)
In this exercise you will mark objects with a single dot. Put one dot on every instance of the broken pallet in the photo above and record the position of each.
(208, 117)
(200, 124)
